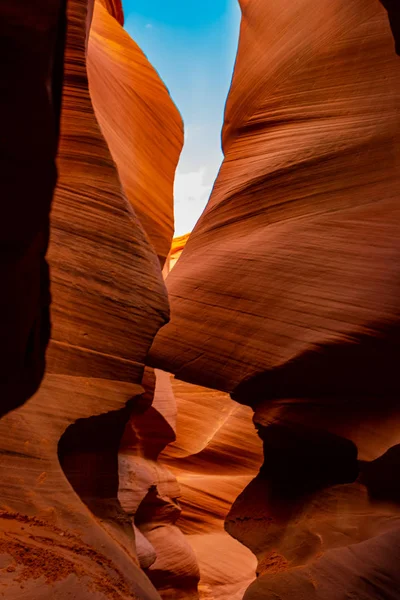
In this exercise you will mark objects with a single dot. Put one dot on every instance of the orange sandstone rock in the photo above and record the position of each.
(63, 532)
(286, 294)
(176, 250)
(215, 455)
(140, 123)
(282, 260)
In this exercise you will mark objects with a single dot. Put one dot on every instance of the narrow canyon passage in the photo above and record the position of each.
(193, 48)
(216, 416)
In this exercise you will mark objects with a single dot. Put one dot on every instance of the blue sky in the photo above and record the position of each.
(192, 45)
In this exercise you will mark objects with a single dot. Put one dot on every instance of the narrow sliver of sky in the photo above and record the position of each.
(192, 44)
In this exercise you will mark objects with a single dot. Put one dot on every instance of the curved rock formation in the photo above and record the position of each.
(286, 294)
(109, 300)
(150, 493)
(216, 454)
(310, 176)
(127, 93)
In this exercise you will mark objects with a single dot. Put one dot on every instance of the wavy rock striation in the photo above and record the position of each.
(150, 493)
(215, 455)
(286, 294)
(114, 9)
(310, 177)
(127, 93)
(63, 532)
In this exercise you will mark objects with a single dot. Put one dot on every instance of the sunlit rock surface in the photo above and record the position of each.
(286, 294)
(310, 178)
(140, 123)
(114, 9)
(176, 250)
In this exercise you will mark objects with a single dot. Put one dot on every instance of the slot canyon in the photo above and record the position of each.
(212, 416)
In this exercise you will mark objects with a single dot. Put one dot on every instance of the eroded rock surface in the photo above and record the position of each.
(63, 532)
(309, 179)
(140, 123)
(215, 455)
(150, 493)
(285, 296)
(286, 293)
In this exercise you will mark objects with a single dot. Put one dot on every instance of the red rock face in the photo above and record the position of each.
(96, 237)
(63, 532)
(286, 294)
(309, 179)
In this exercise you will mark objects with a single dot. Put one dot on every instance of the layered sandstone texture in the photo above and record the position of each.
(286, 294)
(186, 454)
(215, 455)
(63, 532)
(305, 204)
(149, 492)
(141, 125)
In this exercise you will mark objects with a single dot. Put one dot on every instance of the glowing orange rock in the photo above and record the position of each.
(176, 250)
(140, 123)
